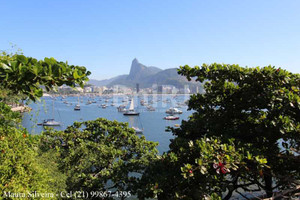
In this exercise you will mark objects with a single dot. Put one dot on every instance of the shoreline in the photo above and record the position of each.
(21, 109)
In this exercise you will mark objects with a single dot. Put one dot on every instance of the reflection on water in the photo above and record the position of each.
(151, 122)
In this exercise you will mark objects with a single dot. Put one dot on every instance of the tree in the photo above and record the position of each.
(253, 110)
(101, 155)
(20, 171)
(20, 76)
(26, 75)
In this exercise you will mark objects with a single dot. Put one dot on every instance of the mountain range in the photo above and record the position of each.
(146, 77)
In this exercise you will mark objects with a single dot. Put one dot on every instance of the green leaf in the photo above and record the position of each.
(4, 66)
(22, 59)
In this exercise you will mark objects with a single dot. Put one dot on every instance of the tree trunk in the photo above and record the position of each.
(268, 183)
(228, 196)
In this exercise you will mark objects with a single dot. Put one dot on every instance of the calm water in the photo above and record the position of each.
(151, 121)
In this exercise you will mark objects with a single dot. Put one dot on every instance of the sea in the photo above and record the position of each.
(152, 123)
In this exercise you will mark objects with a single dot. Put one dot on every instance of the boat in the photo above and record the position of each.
(88, 103)
(121, 108)
(131, 110)
(77, 107)
(137, 130)
(171, 117)
(173, 111)
(150, 108)
(49, 122)
(103, 106)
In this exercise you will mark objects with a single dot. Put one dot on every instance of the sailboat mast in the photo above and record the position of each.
(131, 105)
(53, 109)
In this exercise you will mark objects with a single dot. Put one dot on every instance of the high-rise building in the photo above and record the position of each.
(137, 88)
(159, 89)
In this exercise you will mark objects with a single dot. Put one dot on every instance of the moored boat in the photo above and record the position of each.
(49, 122)
(173, 111)
(137, 130)
(131, 110)
(77, 107)
(171, 117)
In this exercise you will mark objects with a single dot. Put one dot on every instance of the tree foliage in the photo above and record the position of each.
(22, 169)
(253, 110)
(26, 75)
(101, 155)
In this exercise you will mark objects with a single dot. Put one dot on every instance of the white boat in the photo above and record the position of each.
(122, 108)
(88, 103)
(150, 108)
(171, 117)
(173, 111)
(49, 122)
(137, 130)
(77, 107)
(103, 106)
(131, 110)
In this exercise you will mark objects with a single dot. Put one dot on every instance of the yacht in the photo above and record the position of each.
(131, 110)
(137, 130)
(49, 122)
(77, 107)
(171, 117)
(88, 103)
(122, 108)
(173, 111)
(150, 108)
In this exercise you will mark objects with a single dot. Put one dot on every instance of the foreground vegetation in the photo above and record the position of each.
(243, 137)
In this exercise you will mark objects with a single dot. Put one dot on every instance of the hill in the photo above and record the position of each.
(146, 77)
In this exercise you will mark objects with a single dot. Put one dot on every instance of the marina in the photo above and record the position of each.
(149, 122)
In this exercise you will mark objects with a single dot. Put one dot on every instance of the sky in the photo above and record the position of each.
(106, 35)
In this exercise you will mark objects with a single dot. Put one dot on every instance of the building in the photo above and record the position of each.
(137, 88)
(159, 89)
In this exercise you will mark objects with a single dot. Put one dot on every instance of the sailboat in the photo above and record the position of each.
(77, 107)
(50, 122)
(131, 110)
(137, 129)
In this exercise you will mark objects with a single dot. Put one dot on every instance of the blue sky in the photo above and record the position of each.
(105, 35)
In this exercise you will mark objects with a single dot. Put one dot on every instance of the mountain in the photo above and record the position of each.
(146, 77)
(139, 71)
(105, 81)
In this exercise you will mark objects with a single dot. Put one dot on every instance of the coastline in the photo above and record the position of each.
(21, 109)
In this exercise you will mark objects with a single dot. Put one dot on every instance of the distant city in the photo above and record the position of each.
(119, 89)
(140, 80)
